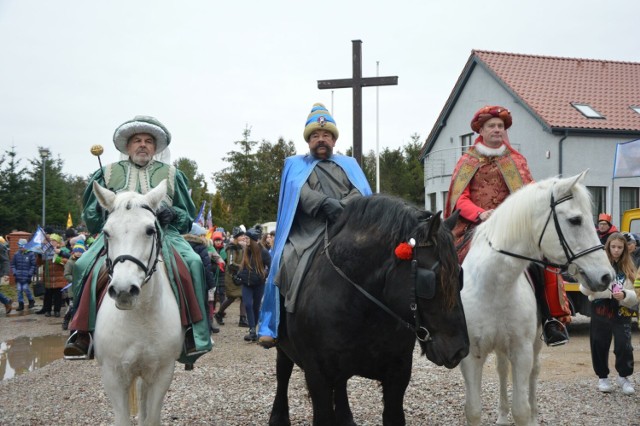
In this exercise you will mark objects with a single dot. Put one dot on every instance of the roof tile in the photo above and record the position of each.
(548, 85)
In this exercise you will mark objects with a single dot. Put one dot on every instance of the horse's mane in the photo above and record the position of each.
(388, 221)
(502, 231)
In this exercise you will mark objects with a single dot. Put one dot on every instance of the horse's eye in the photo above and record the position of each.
(576, 221)
(106, 234)
(151, 231)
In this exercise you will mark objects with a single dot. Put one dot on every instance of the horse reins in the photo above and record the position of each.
(149, 268)
(422, 333)
(569, 254)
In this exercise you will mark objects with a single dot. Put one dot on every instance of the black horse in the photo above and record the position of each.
(360, 309)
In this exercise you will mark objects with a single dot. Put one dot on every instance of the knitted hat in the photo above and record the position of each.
(238, 231)
(22, 242)
(319, 118)
(197, 230)
(79, 247)
(142, 124)
(486, 113)
(255, 233)
(55, 237)
(604, 217)
(70, 233)
(217, 236)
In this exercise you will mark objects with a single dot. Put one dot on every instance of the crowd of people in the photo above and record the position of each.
(264, 273)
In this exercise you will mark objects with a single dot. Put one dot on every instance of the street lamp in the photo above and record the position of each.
(44, 154)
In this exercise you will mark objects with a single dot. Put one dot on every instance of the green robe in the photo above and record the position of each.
(126, 176)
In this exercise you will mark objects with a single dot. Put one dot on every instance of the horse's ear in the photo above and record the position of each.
(434, 226)
(157, 194)
(564, 186)
(104, 196)
(451, 221)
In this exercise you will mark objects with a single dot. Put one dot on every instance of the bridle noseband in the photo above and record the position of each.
(149, 268)
(418, 276)
(569, 254)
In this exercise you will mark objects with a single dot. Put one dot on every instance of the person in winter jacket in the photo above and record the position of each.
(23, 268)
(54, 281)
(254, 269)
(605, 228)
(197, 240)
(611, 312)
(219, 256)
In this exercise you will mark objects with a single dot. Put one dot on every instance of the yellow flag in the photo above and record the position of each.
(69, 221)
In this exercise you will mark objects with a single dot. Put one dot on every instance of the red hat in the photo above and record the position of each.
(217, 236)
(486, 113)
(604, 217)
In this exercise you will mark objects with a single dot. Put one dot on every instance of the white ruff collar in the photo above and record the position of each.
(488, 151)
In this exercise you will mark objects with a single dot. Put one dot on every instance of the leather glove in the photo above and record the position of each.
(332, 208)
(166, 215)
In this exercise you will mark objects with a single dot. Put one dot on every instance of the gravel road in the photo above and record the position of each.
(235, 383)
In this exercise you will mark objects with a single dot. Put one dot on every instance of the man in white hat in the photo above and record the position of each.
(140, 140)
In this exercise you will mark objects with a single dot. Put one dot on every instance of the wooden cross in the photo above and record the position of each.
(357, 83)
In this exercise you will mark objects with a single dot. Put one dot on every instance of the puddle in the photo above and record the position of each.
(24, 354)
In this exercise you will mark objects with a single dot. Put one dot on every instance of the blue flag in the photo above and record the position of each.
(200, 219)
(39, 243)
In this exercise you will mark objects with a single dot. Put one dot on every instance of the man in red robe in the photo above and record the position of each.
(484, 177)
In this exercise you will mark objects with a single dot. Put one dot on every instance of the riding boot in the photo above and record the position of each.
(32, 303)
(79, 346)
(20, 307)
(8, 306)
(252, 336)
(243, 321)
(554, 333)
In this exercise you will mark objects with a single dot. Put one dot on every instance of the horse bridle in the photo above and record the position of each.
(569, 254)
(149, 268)
(418, 275)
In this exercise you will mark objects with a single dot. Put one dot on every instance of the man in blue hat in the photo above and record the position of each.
(313, 190)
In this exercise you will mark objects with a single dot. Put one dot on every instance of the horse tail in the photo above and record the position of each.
(449, 267)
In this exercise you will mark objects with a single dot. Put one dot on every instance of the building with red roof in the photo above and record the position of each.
(569, 114)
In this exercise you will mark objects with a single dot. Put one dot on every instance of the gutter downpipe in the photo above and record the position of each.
(566, 135)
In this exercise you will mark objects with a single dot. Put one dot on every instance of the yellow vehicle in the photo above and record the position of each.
(579, 302)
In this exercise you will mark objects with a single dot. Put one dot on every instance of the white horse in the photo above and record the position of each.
(550, 219)
(138, 331)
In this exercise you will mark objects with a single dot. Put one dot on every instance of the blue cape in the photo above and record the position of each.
(294, 175)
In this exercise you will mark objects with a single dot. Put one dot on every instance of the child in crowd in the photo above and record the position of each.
(611, 312)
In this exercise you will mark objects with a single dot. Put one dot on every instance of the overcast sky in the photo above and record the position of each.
(72, 71)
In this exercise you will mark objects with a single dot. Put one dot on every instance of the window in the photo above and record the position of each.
(628, 200)
(586, 110)
(466, 141)
(444, 200)
(432, 202)
(598, 201)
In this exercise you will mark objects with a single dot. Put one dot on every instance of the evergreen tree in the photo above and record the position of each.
(14, 208)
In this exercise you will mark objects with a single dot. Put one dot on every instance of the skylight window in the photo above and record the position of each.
(586, 110)
(636, 109)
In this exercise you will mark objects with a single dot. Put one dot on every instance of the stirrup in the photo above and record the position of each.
(562, 327)
(72, 339)
(191, 350)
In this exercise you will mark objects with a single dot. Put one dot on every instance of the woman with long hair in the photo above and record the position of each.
(611, 312)
(253, 274)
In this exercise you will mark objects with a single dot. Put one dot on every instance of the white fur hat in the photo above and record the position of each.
(142, 124)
